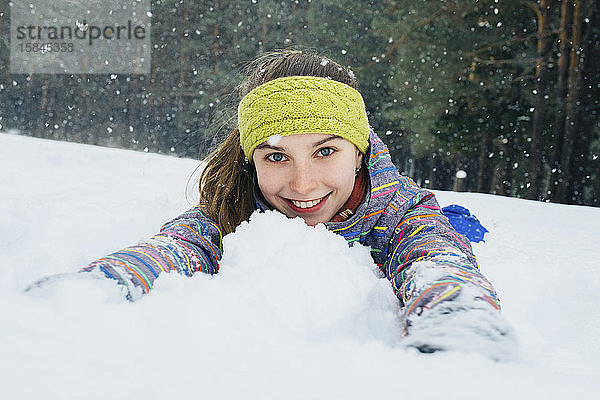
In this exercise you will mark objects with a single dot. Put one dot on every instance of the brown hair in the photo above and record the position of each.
(227, 181)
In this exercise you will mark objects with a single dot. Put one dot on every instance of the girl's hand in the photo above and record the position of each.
(457, 326)
(75, 285)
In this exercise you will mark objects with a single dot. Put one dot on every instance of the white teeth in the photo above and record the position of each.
(306, 204)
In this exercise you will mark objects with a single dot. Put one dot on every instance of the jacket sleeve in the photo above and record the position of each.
(432, 267)
(187, 244)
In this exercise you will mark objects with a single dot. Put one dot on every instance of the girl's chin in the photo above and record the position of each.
(310, 222)
(309, 219)
(313, 220)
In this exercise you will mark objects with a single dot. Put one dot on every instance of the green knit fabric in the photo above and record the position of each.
(302, 104)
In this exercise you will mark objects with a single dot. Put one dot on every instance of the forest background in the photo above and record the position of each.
(507, 91)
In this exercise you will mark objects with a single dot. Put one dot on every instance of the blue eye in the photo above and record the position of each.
(326, 151)
(275, 157)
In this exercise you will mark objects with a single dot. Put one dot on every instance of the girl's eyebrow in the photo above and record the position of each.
(320, 142)
(266, 145)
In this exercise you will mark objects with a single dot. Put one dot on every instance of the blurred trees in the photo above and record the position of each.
(506, 90)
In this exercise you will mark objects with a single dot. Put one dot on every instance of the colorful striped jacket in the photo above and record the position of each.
(401, 223)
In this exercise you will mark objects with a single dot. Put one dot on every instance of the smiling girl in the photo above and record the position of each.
(303, 146)
(308, 176)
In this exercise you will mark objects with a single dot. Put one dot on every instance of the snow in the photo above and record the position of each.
(274, 140)
(305, 317)
(461, 174)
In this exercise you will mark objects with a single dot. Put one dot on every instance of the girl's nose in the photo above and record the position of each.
(303, 180)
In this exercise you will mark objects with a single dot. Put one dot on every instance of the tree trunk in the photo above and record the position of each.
(447, 178)
(537, 145)
(216, 47)
(565, 189)
(596, 189)
(263, 33)
(148, 115)
(484, 168)
(588, 106)
(431, 173)
(593, 99)
(502, 176)
(460, 176)
(497, 178)
(182, 68)
(566, 16)
(82, 107)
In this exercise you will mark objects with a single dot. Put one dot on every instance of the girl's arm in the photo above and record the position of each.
(436, 277)
(187, 244)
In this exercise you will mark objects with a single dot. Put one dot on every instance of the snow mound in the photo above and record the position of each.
(308, 278)
(299, 319)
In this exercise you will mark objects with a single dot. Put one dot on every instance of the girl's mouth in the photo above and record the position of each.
(307, 206)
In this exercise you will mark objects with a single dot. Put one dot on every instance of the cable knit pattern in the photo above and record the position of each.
(427, 262)
(302, 104)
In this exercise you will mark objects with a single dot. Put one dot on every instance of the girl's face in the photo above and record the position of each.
(309, 175)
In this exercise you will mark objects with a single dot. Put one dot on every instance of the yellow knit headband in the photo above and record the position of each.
(302, 104)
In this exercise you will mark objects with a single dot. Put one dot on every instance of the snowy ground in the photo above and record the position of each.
(288, 322)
